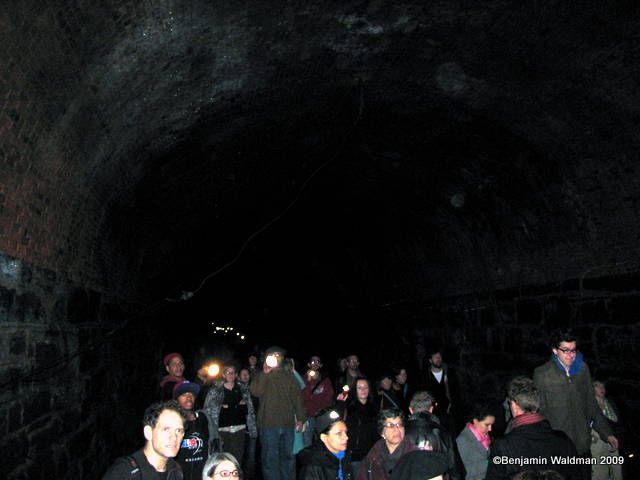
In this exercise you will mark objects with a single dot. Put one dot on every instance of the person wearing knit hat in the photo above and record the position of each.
(327, 458)
(199, 434)
(174, 365)
(421, 465)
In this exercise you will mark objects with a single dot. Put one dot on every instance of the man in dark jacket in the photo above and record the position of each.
(567, 399)
(425, 431)
(163, 429)
(530, 443)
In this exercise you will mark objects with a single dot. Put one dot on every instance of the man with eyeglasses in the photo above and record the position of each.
(567, 399)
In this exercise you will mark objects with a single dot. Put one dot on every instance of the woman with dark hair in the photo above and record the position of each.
(387, 396)
(327, 458)
(222, 466)
(474, 442)
(361, 415)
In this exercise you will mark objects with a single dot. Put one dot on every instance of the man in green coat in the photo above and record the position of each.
(280, 414)
(567, 399)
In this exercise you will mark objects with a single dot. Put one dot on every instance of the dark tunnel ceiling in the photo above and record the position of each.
(424, 148)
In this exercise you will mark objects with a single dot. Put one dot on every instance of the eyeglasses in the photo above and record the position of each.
(228, 473)
(394, 425)
(568, 350)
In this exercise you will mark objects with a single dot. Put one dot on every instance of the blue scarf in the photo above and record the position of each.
(576, 366)
(340, 456)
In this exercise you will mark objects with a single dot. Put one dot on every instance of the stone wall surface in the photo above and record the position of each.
(72, 373)
(489, 338)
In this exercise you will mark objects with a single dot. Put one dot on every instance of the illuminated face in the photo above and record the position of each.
(166, 436)
(599, 390)
(566, 353)
(484, 425)
(353, 362)
(336, 438)
(244, 376)
(436, 360)
(401, 377)
(229, 374)
(385, 383)
(362, 389)
(175, 367)
(225, 469)
(186, 400)
(315, 363)
(393, 431)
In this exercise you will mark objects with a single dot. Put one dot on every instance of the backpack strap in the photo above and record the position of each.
(136, 472)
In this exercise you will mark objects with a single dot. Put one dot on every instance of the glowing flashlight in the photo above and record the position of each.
(271, 361)
(213, 370)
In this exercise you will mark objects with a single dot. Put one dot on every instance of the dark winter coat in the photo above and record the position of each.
(424, 426)
(533, 441)
(372, 467)
(362, 428)
(316, 462)
(569, 403)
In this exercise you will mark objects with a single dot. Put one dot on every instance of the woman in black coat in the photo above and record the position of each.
(327, 458)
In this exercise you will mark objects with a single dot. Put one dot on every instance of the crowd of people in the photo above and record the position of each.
(269, 421)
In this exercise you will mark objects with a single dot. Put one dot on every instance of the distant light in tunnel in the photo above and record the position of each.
(226, 330)
(457, 200)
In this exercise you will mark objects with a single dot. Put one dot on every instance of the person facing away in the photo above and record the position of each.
(529, 435)
(327, 458)
(566, 396)
(163, 430)
(281, 413)
(423, 428)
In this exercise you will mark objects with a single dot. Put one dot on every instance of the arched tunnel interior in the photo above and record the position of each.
(336, 177)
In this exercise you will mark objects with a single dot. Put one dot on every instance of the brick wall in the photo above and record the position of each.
(75, 375)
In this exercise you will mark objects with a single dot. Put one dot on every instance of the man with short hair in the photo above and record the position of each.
(350, 375)
(423, 428)
(196, 445)
(529, 436)
(280, 414)
(567, 399)
(437, 384)
(163, 429)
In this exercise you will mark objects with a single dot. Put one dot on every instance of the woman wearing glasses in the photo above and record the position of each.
(222, 466)
(385, 453)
